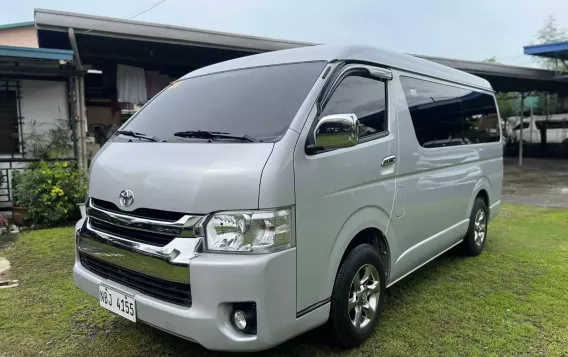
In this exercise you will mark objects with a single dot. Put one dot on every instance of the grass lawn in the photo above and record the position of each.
(510, 301)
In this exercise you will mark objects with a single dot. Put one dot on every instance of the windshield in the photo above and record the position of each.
(257, 102)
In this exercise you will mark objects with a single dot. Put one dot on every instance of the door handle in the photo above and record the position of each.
(389, 160)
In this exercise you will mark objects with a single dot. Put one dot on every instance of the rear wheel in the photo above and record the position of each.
(358, 296)
(476, 236)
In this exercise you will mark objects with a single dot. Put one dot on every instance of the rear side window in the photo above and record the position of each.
(363, 96)
(444, 115)
(481, 122)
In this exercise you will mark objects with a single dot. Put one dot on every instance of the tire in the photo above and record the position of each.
(362, 260)
(476, 236)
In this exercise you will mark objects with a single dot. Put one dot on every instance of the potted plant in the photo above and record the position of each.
(3, 225)
(18, 212)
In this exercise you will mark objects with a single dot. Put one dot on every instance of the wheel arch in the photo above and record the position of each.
(366, 225)
(482, 189)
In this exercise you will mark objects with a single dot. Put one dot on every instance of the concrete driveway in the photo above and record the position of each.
(539, 182)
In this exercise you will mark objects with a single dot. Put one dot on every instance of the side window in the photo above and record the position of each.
(436, 112)
(363, 96)
(481, 121)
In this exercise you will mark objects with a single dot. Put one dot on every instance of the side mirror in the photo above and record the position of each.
(337, 131)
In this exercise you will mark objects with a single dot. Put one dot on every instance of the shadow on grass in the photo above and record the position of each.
(318, 341)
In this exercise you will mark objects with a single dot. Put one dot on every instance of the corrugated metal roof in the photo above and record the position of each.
(17, 24)
(550, 50)
(113, 27)
(36, 53)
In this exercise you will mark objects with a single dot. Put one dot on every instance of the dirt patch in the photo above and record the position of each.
(538, 182)
(7, 240)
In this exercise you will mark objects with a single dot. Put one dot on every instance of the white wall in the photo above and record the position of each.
(44, 102)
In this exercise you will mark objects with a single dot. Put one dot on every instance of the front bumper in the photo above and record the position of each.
(217, 281)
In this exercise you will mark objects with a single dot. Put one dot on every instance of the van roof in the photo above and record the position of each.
(362, 53)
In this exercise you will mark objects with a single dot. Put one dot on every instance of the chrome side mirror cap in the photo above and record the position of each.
(337, 131)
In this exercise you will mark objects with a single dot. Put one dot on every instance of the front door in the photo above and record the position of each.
(335, 185)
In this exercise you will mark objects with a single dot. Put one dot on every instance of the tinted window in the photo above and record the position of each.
(260, 102)
(436, 112)
(481, 121)
(365, 97)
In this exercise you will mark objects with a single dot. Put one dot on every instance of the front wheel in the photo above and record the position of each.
(358, 296)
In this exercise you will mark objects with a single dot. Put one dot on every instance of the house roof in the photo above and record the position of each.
(119, 28)
(36, 53)
(17, 24)
(53, 26)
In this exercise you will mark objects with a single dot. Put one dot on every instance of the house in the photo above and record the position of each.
(34, 88)
(21, 34)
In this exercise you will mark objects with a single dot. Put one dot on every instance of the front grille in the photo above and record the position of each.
(150, 213)
(177, 293)
(136, 235)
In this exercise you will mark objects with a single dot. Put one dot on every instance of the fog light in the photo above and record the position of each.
(243, 317)
(240, 320)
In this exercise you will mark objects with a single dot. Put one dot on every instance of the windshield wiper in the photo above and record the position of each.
(203, 134)
(136, 135)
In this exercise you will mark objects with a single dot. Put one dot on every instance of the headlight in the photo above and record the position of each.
(250, 231)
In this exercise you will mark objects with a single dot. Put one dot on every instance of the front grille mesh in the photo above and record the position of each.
(155, 239)
(177, 293)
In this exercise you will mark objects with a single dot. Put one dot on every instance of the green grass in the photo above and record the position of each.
(510, 301)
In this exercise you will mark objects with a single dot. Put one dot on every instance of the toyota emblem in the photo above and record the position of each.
(126, 198)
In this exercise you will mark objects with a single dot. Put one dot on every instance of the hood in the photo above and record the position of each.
(195, 178)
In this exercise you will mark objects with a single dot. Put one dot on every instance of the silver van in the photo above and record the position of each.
(256, 199)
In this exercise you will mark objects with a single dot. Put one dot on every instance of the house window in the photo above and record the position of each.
(8, 122)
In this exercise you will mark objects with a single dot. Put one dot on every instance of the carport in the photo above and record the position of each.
(557, 51)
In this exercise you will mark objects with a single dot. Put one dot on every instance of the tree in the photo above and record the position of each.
(551, 33)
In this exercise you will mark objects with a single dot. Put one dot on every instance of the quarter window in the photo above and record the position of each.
(363, 96)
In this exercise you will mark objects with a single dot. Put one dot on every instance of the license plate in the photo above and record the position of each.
(117, 302)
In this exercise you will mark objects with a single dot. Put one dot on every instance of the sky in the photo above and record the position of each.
(471, 30)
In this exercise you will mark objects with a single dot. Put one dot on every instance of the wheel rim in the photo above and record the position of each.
(364, 296)
(479, 227)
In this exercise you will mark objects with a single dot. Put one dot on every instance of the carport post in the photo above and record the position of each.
(521, 135)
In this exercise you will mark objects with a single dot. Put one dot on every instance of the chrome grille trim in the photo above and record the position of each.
(169, 263)
(178, 252)
(189, 226)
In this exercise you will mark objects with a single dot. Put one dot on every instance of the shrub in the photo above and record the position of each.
(47, 140)
(49, 194)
